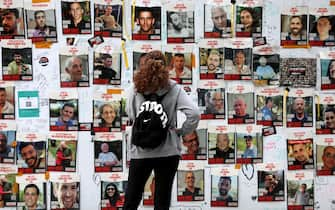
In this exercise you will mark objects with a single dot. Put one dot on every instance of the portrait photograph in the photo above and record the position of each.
(147, 23)
(327, 73)
(325, 156)
(180, 27)
(194, 145)
(266, 68)
(62, 155)
(270, 110)
(211, 103)
(32, 196)
(325, 118)
(65, 195)
(249, 148)
(237, 64)
(240, 108)
(41, 25)
(249, 21)
(108, 20)
(74, 70)
(211, 63)
(300, 154)
(299, 111)
(12, 23)
(7, 152)
(300, 193)
(224, 191)
(76, 17)
(138, 60)
(221, 148)
(179, 66)
(31, 156)
(271, 185)
(17, 65)
(293, 30)
(190, 185)
(7, 102)
(107, 116)
(107, 68)
(112, 194)
(217, 23)
(108, 156)
(321, 30)
(63, 115)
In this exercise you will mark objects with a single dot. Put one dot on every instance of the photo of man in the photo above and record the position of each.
(38, 25)
(76, 17)
(180, 64)
(214, 64)
(224, 191)
(108, 156)
(180, 25)
(328, 159)
(31, 156)
(271, 185)
(105, 70)
(325, 117)
(321, 28)
(249, 148)
(108, 20)
(249, 21)
(193, 150)
(215, 104)
(66, 115)
(300, 154)
(237, 64)
(65, 195)
(240, 108)
(63, 115)
(148, 24)
(6, 107)
(300, 193)
(224, 148)
(33, 197)
(224, 186)
(74, 69)
(219, 24)
(6, 150)
(294, 29)
(18, 64)
(270, 110)
(12, 23)
(301, 112)
(193, 182)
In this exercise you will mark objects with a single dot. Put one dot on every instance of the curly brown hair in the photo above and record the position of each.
(153, 75)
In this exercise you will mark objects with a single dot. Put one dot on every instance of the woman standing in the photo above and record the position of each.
(153, 78)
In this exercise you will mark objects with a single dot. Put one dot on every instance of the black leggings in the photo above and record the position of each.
(139, 171)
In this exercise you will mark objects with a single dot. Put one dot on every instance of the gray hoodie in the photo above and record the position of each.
(176, 99)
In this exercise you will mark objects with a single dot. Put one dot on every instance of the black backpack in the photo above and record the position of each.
(151, 124)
